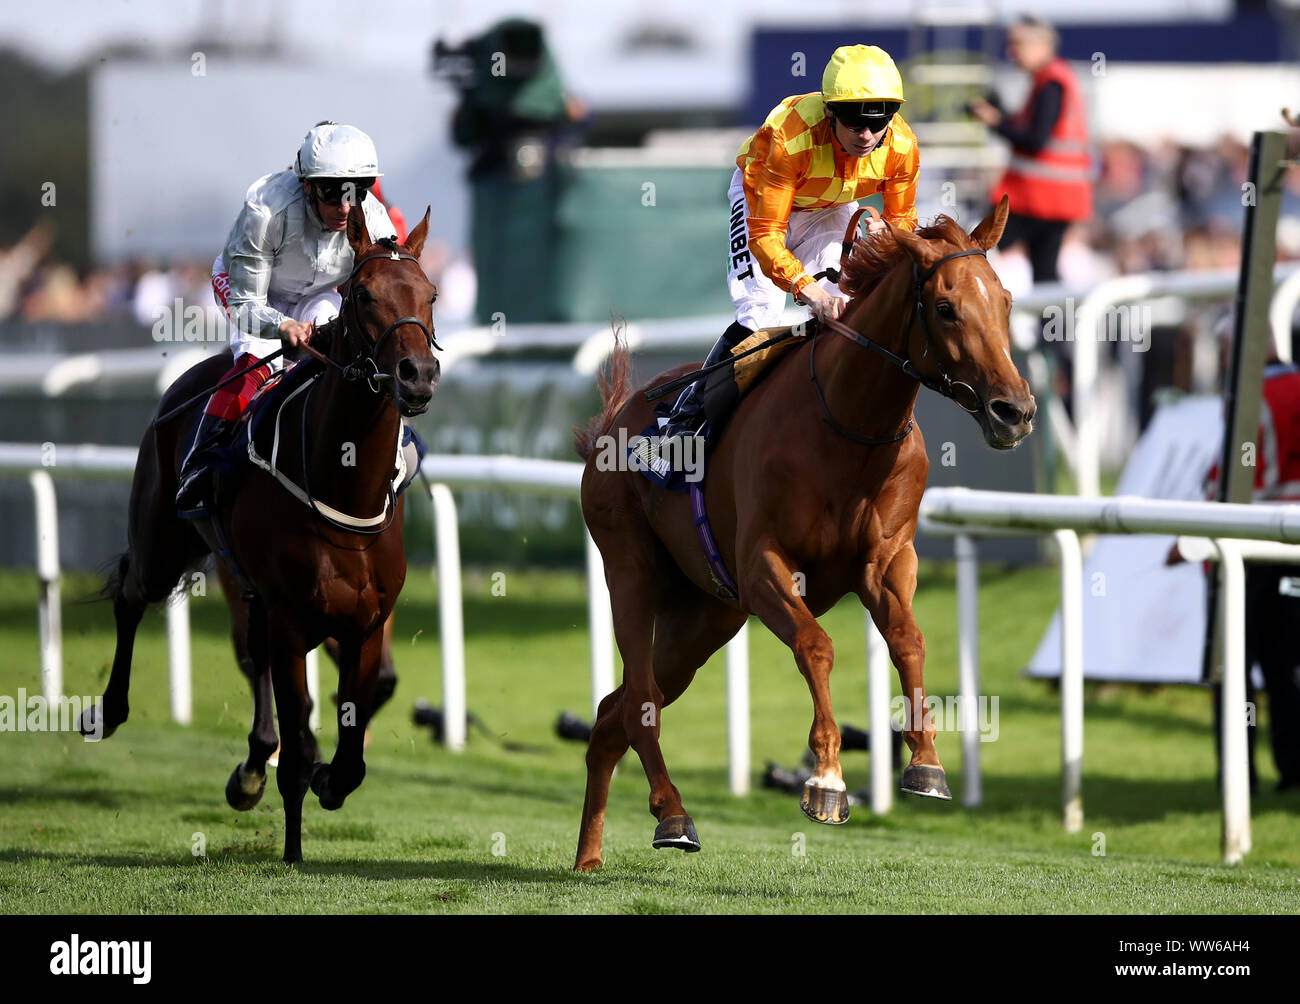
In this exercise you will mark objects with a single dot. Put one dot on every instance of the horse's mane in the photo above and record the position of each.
(874, 256)
(387, 243)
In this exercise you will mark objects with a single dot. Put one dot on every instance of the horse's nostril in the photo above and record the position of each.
(1006, 412)
(407, 371)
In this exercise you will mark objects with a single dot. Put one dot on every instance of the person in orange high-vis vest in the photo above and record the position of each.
(1049, 178)
(793, 193)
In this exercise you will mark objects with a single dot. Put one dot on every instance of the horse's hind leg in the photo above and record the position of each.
(248, 631)
(770, 587)
(606, 746)
(687, 631)
(146, 574)
(888, 597)
(104, 720)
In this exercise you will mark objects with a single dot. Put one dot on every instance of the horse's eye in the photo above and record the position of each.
(945, 310)
(361, 293)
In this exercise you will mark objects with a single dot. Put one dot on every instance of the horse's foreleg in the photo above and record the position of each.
(358, 679)
(387, 682)
(773, 591)
(297, 745)
(888, 597)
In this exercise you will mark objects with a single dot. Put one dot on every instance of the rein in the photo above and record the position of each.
(945, 385)
(362, 357)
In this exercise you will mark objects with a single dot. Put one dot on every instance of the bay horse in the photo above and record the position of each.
(333, 570)
(813, 491)
(247, 781)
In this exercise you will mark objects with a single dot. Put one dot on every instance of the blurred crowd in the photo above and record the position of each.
(1167, 207)
(1158, 207)
(36, 288)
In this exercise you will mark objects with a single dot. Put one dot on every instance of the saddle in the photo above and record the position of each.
(721, 393)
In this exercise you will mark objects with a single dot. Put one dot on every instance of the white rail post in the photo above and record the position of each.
(1234, 757)
(1071, 679)
(881, 738)
(1085, 378)
(446, 536)
(968, 667)
(179, 676)
(600, 625)
(738, 711)
(312, 665)
(50, 605)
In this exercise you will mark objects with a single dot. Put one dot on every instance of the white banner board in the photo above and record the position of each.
(1144, 621)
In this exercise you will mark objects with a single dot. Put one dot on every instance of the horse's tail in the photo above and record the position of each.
(615, 389)
(113, 571)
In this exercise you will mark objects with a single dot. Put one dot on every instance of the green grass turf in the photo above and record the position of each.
(110, 827)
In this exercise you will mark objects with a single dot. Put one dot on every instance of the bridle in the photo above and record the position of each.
(362, 354)
(945, 384)
(365, 354)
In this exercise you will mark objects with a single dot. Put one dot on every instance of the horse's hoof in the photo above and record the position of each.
(244, 789)
(922, 779)
(675, 831)
(320, 787)
(90, 726)
(825, 805)
(591, 864)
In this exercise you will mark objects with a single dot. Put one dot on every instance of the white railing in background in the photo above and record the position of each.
(501, 473)
(590, 344)
(1096, 307)
(1235, 531)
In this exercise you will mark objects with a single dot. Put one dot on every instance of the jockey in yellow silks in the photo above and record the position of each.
(794, 191)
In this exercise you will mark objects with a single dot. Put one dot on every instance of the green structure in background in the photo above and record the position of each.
(557, 239)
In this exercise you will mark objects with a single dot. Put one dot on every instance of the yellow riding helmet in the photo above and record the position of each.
(861, 73)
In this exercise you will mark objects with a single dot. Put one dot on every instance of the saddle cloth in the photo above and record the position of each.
(257, 424)
(722, 392)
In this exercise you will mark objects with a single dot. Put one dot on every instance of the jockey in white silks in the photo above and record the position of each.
(275, 277)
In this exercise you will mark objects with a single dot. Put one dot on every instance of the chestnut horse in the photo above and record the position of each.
(331, 571)
(813, 492)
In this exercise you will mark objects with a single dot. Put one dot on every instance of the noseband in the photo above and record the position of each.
(365, 355)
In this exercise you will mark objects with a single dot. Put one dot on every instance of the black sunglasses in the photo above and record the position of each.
(332, 192)
(858, 115)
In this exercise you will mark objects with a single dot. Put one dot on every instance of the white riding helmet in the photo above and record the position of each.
(331, 150)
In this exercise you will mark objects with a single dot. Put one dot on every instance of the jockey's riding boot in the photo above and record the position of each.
(194, 491)
(689, 412)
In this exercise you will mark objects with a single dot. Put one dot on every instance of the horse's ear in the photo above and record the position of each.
(358, 233)
(415, 239)
(920, 250)
(989, 232)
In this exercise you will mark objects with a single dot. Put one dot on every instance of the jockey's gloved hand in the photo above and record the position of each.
(295, 333)
(822, 303)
